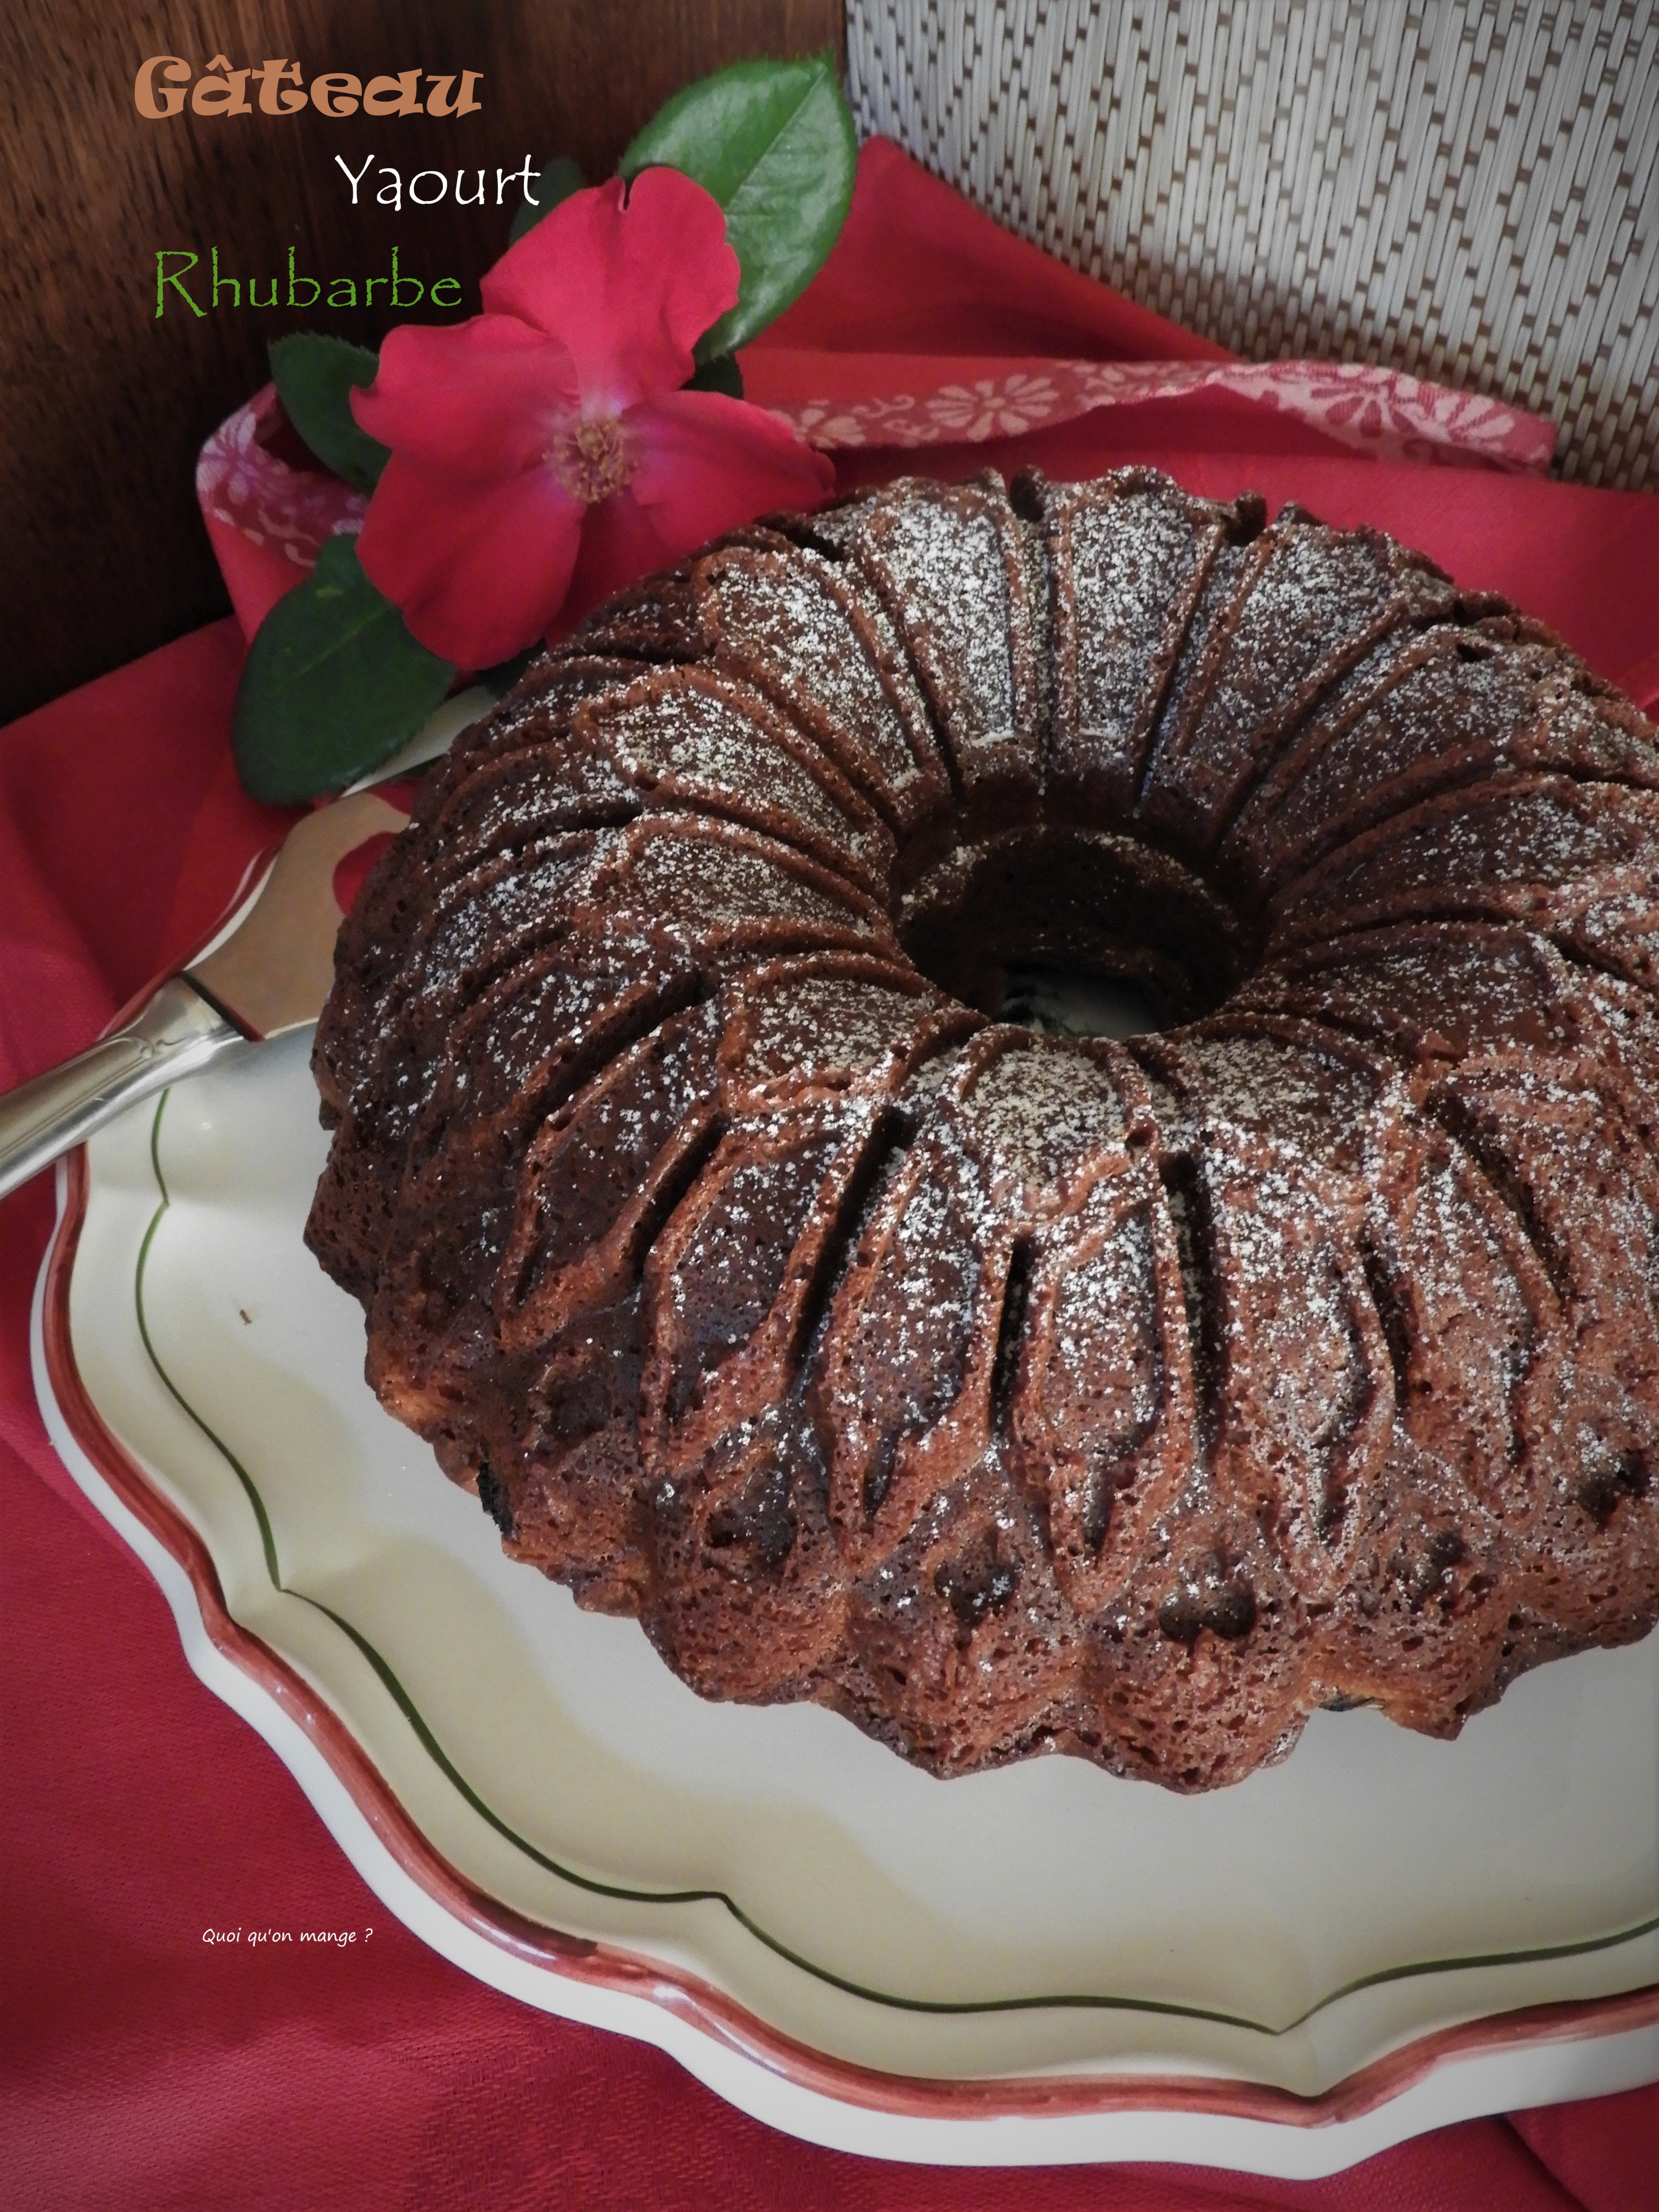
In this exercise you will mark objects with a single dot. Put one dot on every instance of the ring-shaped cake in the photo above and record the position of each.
(735, 1210)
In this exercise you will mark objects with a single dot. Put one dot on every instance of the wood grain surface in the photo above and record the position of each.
(103, 554)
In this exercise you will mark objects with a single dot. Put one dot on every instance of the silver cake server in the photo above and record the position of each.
(268, 973)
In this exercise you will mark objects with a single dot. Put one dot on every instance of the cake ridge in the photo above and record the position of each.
(1231, 554)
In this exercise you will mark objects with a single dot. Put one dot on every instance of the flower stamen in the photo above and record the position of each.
(591, 460)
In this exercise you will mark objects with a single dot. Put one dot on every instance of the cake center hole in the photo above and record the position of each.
(1070, 1002)
(1072, 933)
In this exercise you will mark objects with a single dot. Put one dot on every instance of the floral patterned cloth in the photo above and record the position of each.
(1375, 410)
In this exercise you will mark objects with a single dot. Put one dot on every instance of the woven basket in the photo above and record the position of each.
(1466, 190)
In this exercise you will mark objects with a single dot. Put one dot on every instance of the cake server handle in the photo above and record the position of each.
(173, 1034)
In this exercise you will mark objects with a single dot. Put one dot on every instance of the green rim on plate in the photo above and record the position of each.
(1060, 2000)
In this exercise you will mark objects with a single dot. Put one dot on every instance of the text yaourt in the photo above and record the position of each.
(435, 184)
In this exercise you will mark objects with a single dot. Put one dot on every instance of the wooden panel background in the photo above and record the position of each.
(103, 554)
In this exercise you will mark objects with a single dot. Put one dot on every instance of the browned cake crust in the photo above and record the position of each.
(1009, 1390)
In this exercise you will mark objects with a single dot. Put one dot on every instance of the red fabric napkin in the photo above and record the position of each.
(140, 2070)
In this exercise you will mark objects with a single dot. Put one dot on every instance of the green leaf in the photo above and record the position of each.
(560, 178)
(773, 142)
(333, 684)
(721, 373)
(315, 378)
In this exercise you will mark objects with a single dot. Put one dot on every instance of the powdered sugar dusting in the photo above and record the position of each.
(686, 738)
(1008, 1389)
(1047, 1109)
(945, 568)
(695, 879)
(1130, 563)
(787, 622)
(823, 1028)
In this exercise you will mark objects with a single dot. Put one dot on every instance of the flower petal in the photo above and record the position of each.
(475, 400)
(628, 285)
(619, 545)
(478, 570)
(707, 463)
(704, 464)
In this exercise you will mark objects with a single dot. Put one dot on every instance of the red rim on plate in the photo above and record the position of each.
(687, 1997)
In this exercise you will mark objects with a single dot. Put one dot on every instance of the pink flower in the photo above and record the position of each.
(543, 454)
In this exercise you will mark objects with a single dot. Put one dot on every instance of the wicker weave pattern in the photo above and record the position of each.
(1467, 189)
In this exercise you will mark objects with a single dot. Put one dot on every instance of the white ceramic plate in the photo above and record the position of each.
(1039, 1965)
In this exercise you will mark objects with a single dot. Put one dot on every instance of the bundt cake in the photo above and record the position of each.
(731, 1210)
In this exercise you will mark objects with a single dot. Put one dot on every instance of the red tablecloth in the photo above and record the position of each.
(141, 2070)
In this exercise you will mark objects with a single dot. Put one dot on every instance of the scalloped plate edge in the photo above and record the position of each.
(1540, 2054)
